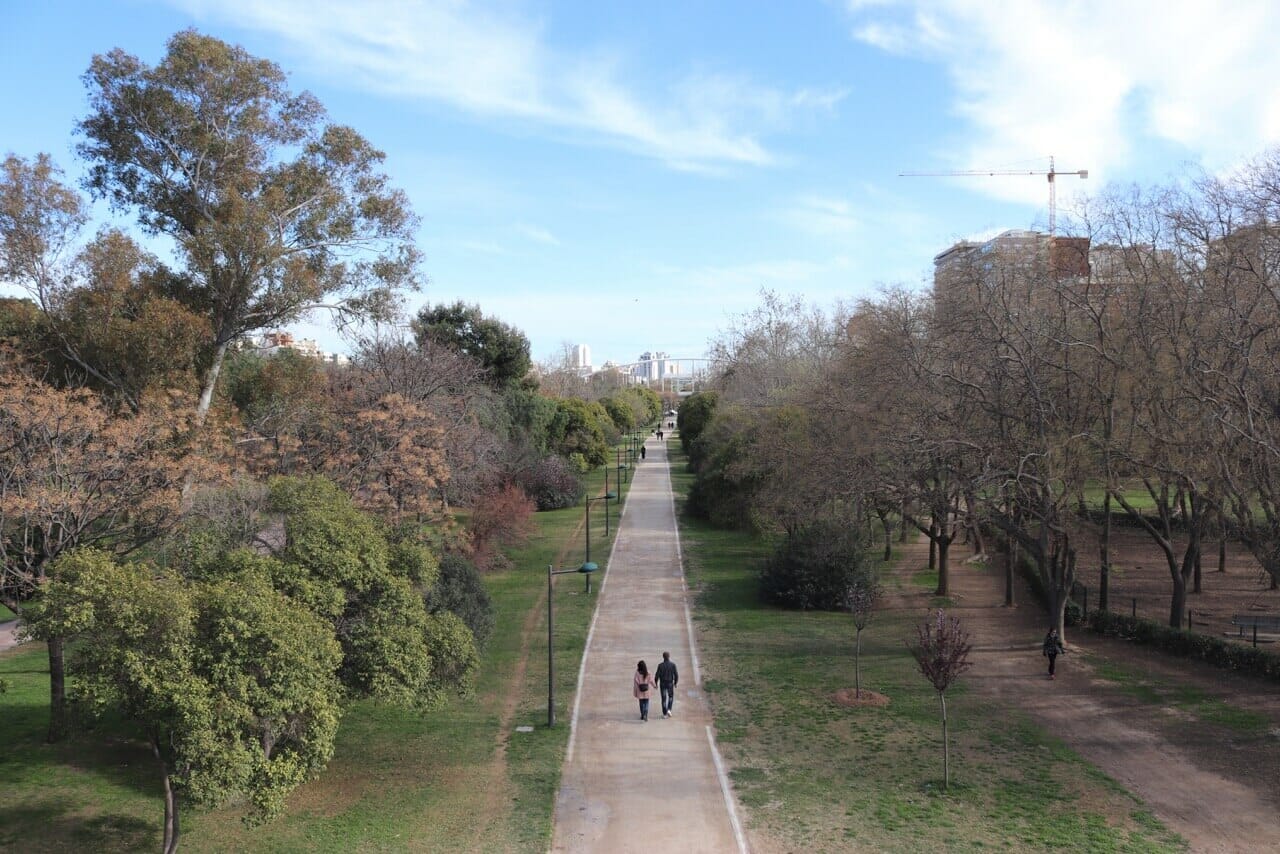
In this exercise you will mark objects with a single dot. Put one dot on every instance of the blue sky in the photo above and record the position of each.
(630, 176)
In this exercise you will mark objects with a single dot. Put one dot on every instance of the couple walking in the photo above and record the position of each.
(665, 676)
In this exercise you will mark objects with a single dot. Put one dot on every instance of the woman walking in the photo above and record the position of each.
(1052, 649)
(640, 687)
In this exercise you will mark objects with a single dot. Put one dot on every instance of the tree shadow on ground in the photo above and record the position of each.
(59, 830)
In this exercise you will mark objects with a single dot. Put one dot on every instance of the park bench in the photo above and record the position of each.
(1256, 622)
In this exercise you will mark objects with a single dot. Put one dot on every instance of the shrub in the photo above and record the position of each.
(695, 412)
(552, 483)
(500, 519)
(460, 591)
(1207, 648)
(814, 566)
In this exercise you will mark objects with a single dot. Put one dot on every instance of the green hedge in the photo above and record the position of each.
(1208, 648)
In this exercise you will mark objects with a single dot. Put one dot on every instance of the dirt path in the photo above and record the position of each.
(628, 785)
(8, 635)
(1186, 772)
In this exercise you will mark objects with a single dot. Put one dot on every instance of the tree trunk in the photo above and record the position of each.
(979, 547)
(857, 666)
(1011, 557)
(944, 586)
(170, 815)
(1104, 555)
(211, 382)
(946, 755)
(58, 724)
(902, 516)
(933, 547)
(1222, 554)
(1178, 604)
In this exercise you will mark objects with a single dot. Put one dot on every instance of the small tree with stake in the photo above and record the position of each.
(860, 601)
(942, 652)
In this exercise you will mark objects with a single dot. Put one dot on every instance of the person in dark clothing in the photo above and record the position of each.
(667, 677)
(642, 452)
(1052, 649)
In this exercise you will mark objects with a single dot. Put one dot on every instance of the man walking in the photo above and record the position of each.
(667, 677)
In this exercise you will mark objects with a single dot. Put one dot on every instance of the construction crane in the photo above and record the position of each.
(1051, 174)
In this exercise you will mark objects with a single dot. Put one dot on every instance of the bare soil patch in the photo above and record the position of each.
(851, 699)
(1189, 771)
(1141, 584)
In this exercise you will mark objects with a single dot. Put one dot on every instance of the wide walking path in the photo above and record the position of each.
(629, 785)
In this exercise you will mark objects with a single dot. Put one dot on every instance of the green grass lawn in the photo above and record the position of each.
(453, 780)
(818, 776)
(6, 615)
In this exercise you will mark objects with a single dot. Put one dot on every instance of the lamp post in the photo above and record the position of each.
(586, 569)
(587, 508)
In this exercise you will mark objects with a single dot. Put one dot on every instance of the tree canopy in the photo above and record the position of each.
(271, 209)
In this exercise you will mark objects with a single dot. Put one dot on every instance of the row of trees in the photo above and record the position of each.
(222, 546)
(1037, 391)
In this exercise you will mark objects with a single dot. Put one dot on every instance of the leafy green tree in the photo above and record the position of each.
(122, 324)
(348, 569)
(649, 404)
(273, 210)
(578, 428)
(694, 414)
(502, 349)
(231, 683)
(620, 413)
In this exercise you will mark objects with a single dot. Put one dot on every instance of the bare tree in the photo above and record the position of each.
(860, 602)
(941, 650)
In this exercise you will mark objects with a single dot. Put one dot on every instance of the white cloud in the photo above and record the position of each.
(483, 247)
(1092, 81)
(538, 234)
(821, 216)
(498, 64)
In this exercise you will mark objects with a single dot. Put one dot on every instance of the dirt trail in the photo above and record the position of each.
(630, 785)
(1187, 773)
(8, 635)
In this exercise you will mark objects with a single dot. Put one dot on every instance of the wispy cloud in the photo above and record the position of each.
(822, 216)
(500, 65)
(783, 272)
(537, 233)
(1092, 81)
(483, 247)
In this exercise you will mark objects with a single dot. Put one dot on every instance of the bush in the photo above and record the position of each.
(814, 567)
(500, 519)
(1207, 648)
(552, 483)
(460, 591)
(694, 415)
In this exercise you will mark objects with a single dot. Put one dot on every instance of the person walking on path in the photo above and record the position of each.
(642, 452)
(667, 677)
(1052, 649)
(641, 685)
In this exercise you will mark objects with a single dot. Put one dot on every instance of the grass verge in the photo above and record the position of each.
(818, 776)
(459, 779)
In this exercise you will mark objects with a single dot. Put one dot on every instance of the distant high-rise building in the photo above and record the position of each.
(581, 356)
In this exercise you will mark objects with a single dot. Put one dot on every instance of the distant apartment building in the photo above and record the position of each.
(1013, 250)
(275, 341)
(654, 367)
